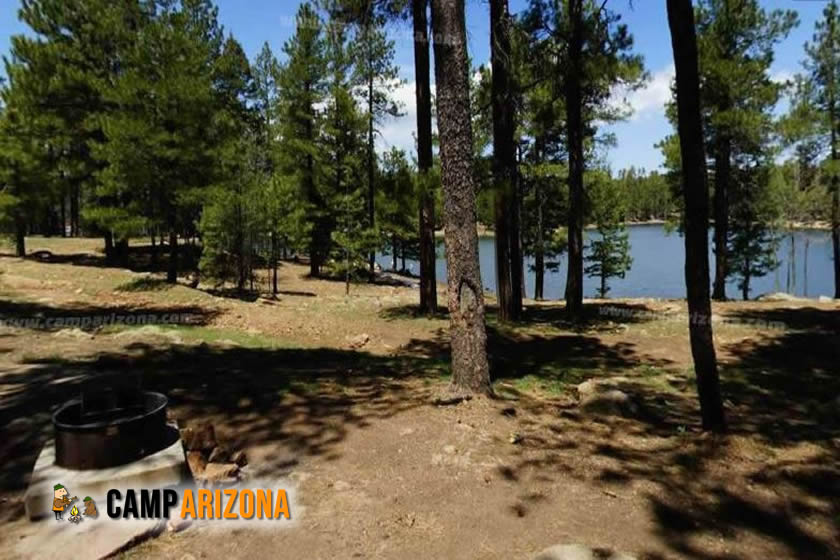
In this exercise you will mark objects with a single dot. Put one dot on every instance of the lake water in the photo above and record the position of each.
(658, 260)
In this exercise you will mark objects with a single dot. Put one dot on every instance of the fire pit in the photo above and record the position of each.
(110, 428)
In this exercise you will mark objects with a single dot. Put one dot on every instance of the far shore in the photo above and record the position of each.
(486, 231)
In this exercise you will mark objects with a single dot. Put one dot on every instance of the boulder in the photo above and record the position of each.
(601, 396)
(579, 552)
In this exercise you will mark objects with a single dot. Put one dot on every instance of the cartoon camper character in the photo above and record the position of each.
(90, 507)
(60, 500)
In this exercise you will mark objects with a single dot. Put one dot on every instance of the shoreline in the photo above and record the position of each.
(486, 231)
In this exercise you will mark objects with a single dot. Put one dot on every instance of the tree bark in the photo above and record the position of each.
(172, 272)
(470, 370)
(75, 195)
(20, 236)
(835, 204)
(574, 120)
(422, 77)
(696, 194)
(504, 157)
(723, 172)
(63, 213)
(371, 172)
(539, 252)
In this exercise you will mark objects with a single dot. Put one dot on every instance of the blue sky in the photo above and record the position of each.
(253, 22)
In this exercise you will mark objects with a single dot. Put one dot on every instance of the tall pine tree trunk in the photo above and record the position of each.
(574, 120)
(539, 251)
(20, 236)
(371, 172)
(470, 370)
(75, 195)
(504, 155)
(835, 204)
(422, 77)
(172, 272)
(63, 214)
(696, 194)
(723, 172)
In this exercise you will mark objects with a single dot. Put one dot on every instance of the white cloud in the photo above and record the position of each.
(782, 76)
(400, 131)
(650, 99)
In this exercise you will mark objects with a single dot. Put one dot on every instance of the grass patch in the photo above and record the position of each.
(145, 284)
(192, 334)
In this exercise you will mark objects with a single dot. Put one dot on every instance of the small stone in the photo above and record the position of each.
(196, 462)
(341, 486)
(239, 457)
(515, 438)
(450, 450)
(358, 341)
(219, 455)
(177, 524)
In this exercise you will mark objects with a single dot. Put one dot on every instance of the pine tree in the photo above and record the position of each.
(470, 369)
(752, 241)
(823, 67)
(735, 43)
(609, 253)
(303, 88)
(25, 183)
(696, 215)
(506, 205)
(231, 221)
(160, 135)
(343, 137)
(397, 207)
(375, 79)
(584, 49)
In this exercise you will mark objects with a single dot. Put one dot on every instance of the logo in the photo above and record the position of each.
(62, 502)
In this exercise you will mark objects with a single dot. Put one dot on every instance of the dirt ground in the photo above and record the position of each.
(384, 473)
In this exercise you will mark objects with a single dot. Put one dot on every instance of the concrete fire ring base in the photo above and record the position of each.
(101, 536)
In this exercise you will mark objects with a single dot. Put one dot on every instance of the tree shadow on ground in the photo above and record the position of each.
(595, 316)
(769, 489)
(137, 258)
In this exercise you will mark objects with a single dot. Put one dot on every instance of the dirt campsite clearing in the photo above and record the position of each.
(337, 393)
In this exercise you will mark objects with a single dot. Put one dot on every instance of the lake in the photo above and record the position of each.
(657, 272)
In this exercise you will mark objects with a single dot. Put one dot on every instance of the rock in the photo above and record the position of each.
(202, 438)
(450, 449)
(579, 552)
(177, 524)
(219, 455)
(73, 333)
(610, 402)
(358, 341)
(196, 462)
(341, 486)
(220, 472)
(777, 296)
(239, 457)
(825, 299)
